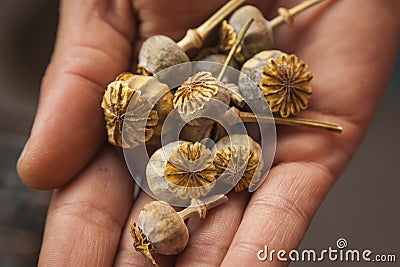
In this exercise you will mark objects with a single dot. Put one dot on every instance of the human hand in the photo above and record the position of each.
(90, 214)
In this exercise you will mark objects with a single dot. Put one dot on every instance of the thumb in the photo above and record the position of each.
(93, 45)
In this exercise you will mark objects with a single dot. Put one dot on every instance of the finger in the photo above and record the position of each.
(279, 212)
(210, 239)
(85, 218)
(93, 45)
(126, 255)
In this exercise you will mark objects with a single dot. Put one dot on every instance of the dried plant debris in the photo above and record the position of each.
(286, 85)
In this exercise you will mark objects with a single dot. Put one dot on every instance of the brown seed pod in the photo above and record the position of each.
(157, 215)
(190, 171)
(156, 93)
(286, 85)
(162, 230)
(260, 35)
(238, 163)
(115, 103)
(160, 52)
(200, 87)
(156, 181)
(252, 68)
(192, 99)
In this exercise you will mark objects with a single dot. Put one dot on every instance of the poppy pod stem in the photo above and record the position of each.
(234, 48)
(250, 117)
(286, 15)
(201, 207)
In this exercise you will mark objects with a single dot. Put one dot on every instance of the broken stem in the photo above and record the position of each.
(201, 207)
(194, 37)
(250, 117)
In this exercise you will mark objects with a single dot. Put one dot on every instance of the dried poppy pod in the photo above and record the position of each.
(162, 230)
(260, 35)
(286, 85)
(252, 68)
(115, 104)
(192, 99)
(190, 171)
(160, 52)
(156, 181)
(238, 162)
(142, 103)
(156, 93)
(180, 171)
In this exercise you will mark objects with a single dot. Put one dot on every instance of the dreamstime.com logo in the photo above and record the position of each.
(338, 254)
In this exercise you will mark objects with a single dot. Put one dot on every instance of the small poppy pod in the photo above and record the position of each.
(193, 99)
(181, 171)
(285, 84)
(156, 181)
(251, 69)
(156, 93)
(259, 36)
(154, 219)
(159, 52)
(116, 100)
(238, 161)
(190, 170)
(162, 230)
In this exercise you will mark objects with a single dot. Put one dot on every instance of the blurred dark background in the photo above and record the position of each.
(362, 207)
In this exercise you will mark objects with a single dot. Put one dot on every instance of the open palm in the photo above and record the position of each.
(349, 46)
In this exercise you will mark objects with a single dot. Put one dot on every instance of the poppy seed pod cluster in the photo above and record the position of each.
(207, 158)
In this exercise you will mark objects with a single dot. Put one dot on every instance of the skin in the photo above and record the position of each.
(349, 45)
